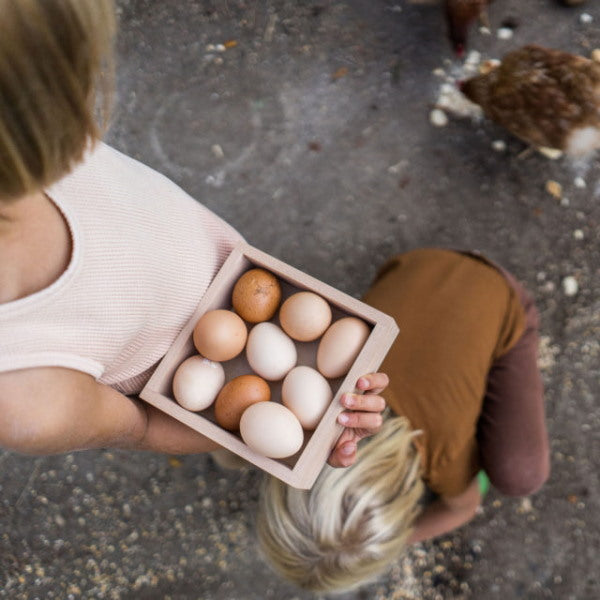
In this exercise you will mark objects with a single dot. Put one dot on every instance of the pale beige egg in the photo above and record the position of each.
(307, 394)
(220, 335)
(270, 352)
(305, 316)
(271, 429)
(197, 381)
(340, 345)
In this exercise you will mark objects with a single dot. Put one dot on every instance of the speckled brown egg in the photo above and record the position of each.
(256, 295)
(236, 396)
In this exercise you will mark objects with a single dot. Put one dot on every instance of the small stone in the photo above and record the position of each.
(473, 58)
(59, 520)
(570, 285)
(585, 18)
(579, 182)
(217, 151)
(525, 506)
(505, 33)
(578, 234)
(485, 31)
(554, 188)
(438, 118)
(499, 145)
(551, 153)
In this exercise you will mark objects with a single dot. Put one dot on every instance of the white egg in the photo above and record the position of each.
(270, 352)
(271, 429)
(307, 394)
(197, 382)
(340, 345)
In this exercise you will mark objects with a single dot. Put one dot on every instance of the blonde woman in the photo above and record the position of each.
(467, 400)
(102, 260)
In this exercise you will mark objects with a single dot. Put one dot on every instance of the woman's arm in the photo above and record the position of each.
(53, 410)
(445, 514)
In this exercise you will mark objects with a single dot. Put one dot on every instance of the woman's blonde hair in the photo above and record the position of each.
(56, 59)
(353, 523)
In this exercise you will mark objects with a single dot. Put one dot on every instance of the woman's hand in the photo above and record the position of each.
(362, 420)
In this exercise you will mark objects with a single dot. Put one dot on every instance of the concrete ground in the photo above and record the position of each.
(310, 132)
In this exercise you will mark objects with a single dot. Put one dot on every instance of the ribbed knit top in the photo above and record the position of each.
(143, 254)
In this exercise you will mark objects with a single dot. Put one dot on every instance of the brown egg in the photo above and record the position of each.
(220, 335)
(236, 396)
(256, 295)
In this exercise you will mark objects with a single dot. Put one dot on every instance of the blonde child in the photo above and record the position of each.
(102, 260)
(467, 399)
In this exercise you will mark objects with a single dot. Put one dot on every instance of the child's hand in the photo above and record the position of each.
(362, 420)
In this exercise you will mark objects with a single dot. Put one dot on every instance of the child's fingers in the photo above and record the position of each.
(361, 420)
(373, 382)
(366, 402)
(344, 455)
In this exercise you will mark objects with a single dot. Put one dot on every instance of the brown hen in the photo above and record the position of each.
(548, 98)
(460, 15)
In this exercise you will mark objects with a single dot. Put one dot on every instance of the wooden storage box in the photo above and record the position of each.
(302, 469)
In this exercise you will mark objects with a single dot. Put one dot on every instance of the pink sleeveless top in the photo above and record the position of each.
(144, 253)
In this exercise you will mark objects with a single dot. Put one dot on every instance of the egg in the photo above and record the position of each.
(271, 429)
(236, 396)
(340, 345)
(270, 352)
(256, 295)
(197, 382)
(307, 394)
(305, 316)
(220, 335)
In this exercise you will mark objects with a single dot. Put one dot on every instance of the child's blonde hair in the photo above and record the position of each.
(55, 59)
(353, 523)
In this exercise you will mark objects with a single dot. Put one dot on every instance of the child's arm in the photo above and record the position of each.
(445, 514)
